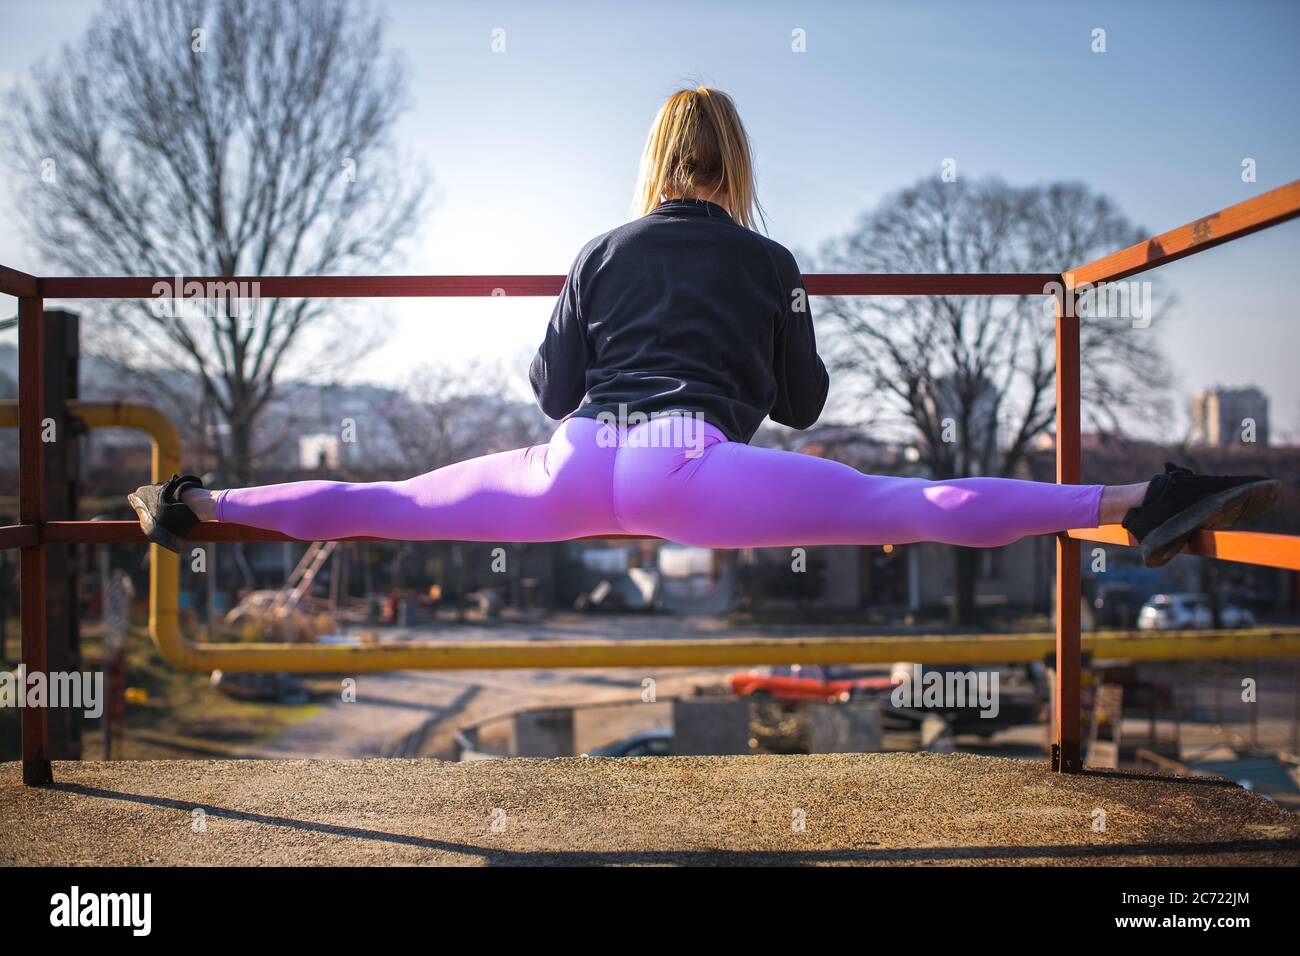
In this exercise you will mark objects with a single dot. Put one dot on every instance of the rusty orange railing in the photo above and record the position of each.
(33, 533)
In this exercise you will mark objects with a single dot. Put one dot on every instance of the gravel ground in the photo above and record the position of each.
(855, 809)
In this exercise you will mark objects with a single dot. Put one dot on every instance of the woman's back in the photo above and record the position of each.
(683, 309)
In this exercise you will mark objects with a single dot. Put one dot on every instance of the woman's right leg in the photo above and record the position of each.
(732, 495)
(548, 492)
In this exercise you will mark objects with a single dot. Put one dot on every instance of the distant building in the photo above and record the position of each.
(1230, 416)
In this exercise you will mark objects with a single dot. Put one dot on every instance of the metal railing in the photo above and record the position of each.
(33, 534)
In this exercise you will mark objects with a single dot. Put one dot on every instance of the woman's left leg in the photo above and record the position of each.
(549, 492)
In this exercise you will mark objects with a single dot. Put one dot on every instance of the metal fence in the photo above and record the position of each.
(34, 534)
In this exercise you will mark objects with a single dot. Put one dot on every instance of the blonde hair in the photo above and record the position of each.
(698, 148)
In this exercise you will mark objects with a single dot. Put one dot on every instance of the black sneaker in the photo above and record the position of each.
(166, 520)
(1179, 503)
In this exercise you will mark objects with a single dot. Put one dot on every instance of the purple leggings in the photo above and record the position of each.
(672, 477)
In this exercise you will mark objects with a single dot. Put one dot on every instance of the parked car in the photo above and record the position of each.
(1176, 612)
(648, 743)
(1233, 616)
(803, 682)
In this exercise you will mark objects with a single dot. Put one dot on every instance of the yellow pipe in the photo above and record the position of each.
(164, 623)
(165, 459)
(164, 566)
(930, 649)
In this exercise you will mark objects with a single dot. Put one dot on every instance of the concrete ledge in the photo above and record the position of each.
(855, 809)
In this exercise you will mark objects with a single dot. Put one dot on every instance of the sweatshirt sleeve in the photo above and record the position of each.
(801, 378)
(559, 370)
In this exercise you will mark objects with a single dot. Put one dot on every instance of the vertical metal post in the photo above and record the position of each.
(105, 595)
(31, 510)
(1066, 710)
(211, 558)
(61, 333)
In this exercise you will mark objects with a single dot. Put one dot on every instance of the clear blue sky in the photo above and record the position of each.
(534, 150)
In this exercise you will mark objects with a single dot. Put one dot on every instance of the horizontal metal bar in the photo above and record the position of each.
(1271, 208)
(932, 284)
(19, 536)
(128, 532)
(1243, 547)
(269, 287)
(1246, 547)
(927, 649)
(13, 282)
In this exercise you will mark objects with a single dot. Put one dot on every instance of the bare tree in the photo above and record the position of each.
(219, 138)
(969, 380)
(450, 414)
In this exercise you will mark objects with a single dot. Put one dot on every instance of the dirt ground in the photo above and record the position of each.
(835, 809)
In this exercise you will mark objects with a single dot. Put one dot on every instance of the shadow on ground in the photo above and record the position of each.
(860, 809)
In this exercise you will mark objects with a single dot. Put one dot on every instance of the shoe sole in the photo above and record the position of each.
(152, 529)
(1228, 507)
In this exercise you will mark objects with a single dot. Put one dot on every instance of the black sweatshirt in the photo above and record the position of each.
(683, 309)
